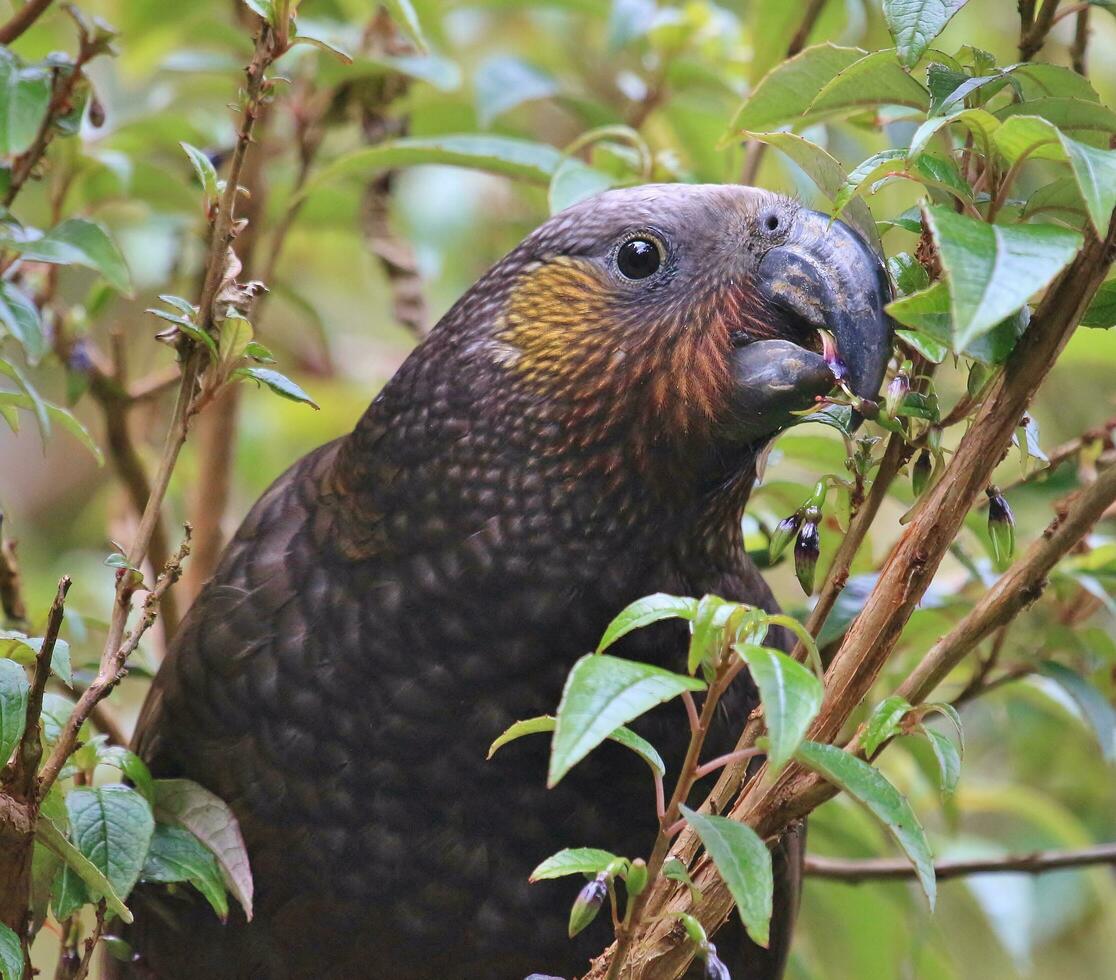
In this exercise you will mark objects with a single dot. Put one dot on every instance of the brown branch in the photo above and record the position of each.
(687, 776)
(64, 83)
(119, 647)
(113, 661)
(11, 582)
(91, 941)
(1080, 47)
(30, 749)
(753, 155)
(884, 869)
(1032, 38)
(22, 19)
(768, 806)
(1016, 589)
(397, 259)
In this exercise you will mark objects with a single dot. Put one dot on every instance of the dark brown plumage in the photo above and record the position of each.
(565, 441)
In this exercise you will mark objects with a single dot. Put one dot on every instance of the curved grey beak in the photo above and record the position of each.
(826, 276)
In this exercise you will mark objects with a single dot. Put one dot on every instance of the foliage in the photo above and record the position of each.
(981, 173)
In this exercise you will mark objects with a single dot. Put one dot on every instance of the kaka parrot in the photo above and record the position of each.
(581, 429)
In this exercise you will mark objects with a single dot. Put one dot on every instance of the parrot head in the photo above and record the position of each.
(686, 317)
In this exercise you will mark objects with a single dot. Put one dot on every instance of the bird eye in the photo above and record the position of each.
(638, 258)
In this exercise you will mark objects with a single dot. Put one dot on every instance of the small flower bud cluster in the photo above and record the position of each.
(804, 524)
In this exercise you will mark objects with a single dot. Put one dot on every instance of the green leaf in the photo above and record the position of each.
(744, 862)
(112, 826)
(573, 182)
(59, 415)
(601, 694)
(264, 8)
(505, 155)
(132, 766)
(322, 35)
(56, 712)
(233, 340)
(927, 311)
(38, 405)
(949, 760)
(824, 170)
(1096, 710)
(20, 318)
(1094, 169)
(993, 270)
(14, 688)
(573, 861)
(177, 855)
(784, 93)
(865, 173)
(547, 723)
(503, 82)
(705, 630)
(979, 122)
(76, 241)
(886, 721)
(203, 167)
(11, 955)
(675, 870)
(186, 804)
(927, 346)
(403, 13)
(1069, 115)
(279, 383)
(915, 23)
(791, 696)
(643, 612)
(876, 79)
(1102, 310)
(48, 833)
(24, 98)
(868, 785)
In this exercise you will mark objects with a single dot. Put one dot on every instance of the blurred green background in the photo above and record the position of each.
(549, 71)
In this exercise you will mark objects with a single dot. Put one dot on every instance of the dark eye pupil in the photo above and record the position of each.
(638, 258)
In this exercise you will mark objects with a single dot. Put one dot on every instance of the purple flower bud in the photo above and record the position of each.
(806, 551)
(920, 472)
(786, 529)
(1001, 527)
(588, 903)
(714, 968)
(896, 391)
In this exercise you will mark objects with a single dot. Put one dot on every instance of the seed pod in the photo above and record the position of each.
(714, 968)
(784, 531)
(920, 472)
(588, 903)
(896, 391)
(806, 551)
(1001, 527)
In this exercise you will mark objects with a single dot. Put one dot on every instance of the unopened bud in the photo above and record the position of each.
(921, 469)
(784, 531)
(896, 391)
(96, 113)
(806, 551)
(588, 903)
(637, 877)
(714, 968)
(1001, 527)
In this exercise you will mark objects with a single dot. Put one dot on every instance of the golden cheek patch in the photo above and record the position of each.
(555, 317)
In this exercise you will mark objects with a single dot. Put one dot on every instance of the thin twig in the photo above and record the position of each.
(22, 19)
(1032, 39)
(11, 583)
(1080, 47)
(882, 869)
(91, 941)
(30, 749)
(113, 663)
(1016, 589)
